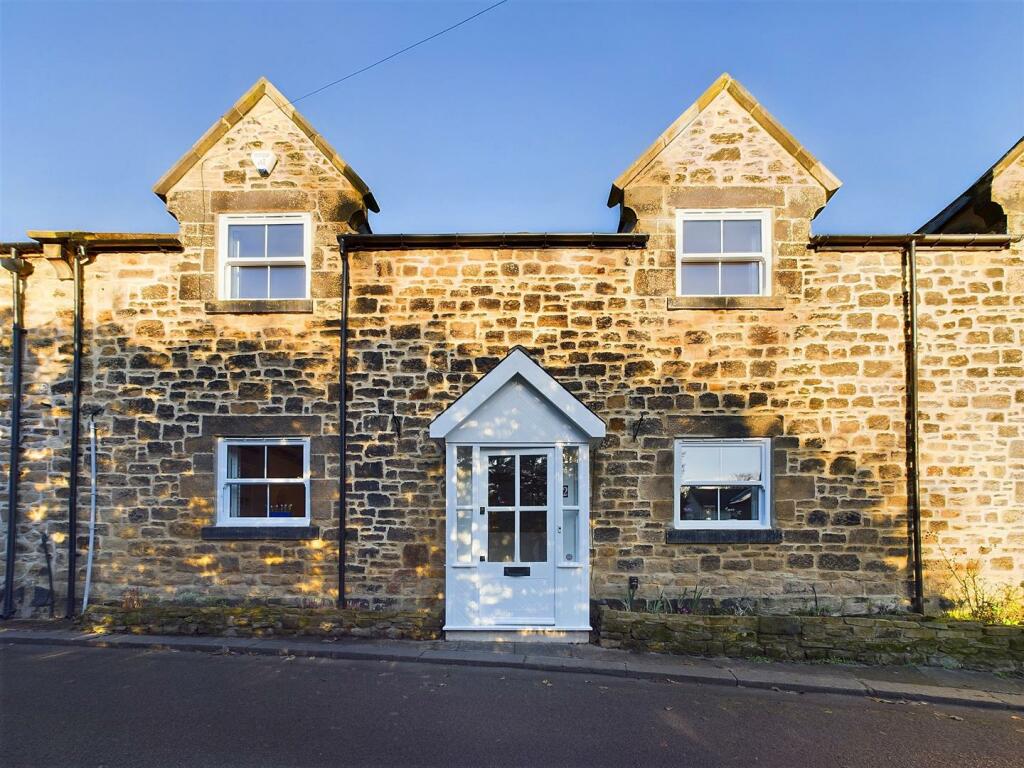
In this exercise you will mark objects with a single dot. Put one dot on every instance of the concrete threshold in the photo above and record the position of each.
(617, 663)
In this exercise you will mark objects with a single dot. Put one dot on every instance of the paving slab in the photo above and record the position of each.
(935, 693)
(791, 680)
(693, 673)
(473, 658)
(570, 664)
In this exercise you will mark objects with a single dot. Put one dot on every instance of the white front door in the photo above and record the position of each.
(516, 522)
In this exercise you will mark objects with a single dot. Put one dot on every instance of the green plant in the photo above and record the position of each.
(975, 598)
(689, 603)
(659, 605)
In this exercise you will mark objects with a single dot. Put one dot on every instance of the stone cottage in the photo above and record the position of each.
(514, 427)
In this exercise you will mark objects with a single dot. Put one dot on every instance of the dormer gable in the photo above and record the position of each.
(263, 120)
(725, 138)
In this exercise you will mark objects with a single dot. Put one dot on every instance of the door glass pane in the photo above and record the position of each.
(533, 536)
(699, 278)
(248, 282)
(287, 500)
(284, 461)
(284, 240)
(501, 534)
(464, 535)
(245, 241)
(464, 476)
(247, 500)
(570, 534)
(741, 236)
(501, 481)
(702, 237)
(246, 461)
(570, 473)
(533, 480)
(738, 502)
(698, 503)
(287, 282)
(741, 278)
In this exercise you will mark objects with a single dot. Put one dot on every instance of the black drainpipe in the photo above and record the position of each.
(19, 269)
(77, 258)
(914, 448)
(342, 422)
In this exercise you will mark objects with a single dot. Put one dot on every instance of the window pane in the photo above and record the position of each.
(700, 278)
(533, 480)
(698, 503)
(287, 283)
(284, 460)
(741, 236)
(738, 503)
(288, 500)
(533, 536)
(570, 474)
(702, 236)
(501, 535)
(248, 282)
(741, 463)
(247, 500)
(464, 535)
(741, 278)
(501, 488)
(284, 240)
(570, 526)
(700, 462)
(464, 476)
(245, 241)
(246, 461)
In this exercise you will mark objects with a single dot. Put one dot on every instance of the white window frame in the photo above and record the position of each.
(225, 262)
(764, 215)
(765, 485)
(223, 482)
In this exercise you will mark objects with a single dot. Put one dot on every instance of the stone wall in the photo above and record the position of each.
(906, 639)
(262, 621)
(818, 366)
(972, 401)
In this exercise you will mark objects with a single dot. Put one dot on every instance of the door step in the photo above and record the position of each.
(525, 634)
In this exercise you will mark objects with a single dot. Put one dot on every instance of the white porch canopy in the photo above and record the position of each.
(518, 401)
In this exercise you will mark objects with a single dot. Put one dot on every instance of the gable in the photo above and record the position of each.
(726, 137)
(261, 117)
(517, 401)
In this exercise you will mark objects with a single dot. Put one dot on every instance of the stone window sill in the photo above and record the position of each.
(260, 532)
(259, 307)
(723, 536)
(725, 302)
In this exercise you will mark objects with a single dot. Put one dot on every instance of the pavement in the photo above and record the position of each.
(890, 683)
(75, 705)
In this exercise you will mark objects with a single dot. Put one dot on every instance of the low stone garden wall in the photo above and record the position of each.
(262, 621)
(897, 639)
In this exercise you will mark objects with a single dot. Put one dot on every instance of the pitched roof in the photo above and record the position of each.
(233, 116)
(518, 362)
(726, 83)
(939, 220)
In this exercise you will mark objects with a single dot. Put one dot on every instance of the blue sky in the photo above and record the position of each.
(516, 121)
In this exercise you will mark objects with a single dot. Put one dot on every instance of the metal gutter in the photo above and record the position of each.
(894, 241)
(78, 256)
(913, 430)
(343, 424)
(19, 269)
(391, 242)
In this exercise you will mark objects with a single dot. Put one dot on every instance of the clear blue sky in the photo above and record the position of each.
(517, 121)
